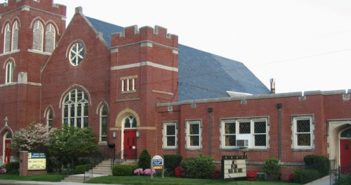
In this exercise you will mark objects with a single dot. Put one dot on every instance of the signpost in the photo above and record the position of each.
(157, 163)
(36, 161)
(234, 166)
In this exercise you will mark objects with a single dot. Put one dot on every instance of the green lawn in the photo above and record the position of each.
(48, 177)
(144, 180)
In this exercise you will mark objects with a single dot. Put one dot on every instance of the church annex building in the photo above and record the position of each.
(138, 88)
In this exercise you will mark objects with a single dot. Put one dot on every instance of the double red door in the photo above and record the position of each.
(130, 145)
(7, 151)
(345, 155)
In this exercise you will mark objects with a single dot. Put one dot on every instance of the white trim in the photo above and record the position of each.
(164, 135)
(294, 144)
(145, 63)
(187, 134)
(18, 83)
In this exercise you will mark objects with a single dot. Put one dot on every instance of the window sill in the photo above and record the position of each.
(39, 52)
(10, 52)
(193, 148)
(302, 149)
(128, 92)
(248, 149)
(102, 142)
(169, 148)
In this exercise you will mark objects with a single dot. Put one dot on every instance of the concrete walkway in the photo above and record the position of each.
(14, 182)
(322, 181)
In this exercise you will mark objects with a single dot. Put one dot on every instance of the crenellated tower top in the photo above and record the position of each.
(47, 5)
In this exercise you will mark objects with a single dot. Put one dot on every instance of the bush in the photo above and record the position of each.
(306, 175)
(144, 160)
(272, 169)
(199, 167)
(79, 169)
(123, 170)
(317, 162)
(12, 167)
(343, 180)
(171, 162)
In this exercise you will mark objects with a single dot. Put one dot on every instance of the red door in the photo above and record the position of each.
(345, 155)
(7, 151)
(130, 147)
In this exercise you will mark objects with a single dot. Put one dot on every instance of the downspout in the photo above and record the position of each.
(210, 117)
(279, 108)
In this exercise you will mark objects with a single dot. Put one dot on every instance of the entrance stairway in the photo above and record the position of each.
(102, 169)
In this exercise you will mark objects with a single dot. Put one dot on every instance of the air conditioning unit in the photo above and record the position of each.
(242, 143)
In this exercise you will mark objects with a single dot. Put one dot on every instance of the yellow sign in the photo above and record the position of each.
(36, 161)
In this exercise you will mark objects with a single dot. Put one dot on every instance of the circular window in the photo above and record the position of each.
(76, 53)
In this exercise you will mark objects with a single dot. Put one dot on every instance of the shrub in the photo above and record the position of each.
(343, 180)
(123, 170)
(317, 162)
(272, 169)
(199, 167)
(144, 160)
(171, 162)
(12, 167)
(79, 169)
(306, 175)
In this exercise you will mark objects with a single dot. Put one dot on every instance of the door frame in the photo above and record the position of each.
(130, 129)
(339, 141)
(4, 139)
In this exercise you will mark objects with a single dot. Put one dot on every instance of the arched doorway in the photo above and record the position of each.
(129, 137)
(7, 139)
(345, 150)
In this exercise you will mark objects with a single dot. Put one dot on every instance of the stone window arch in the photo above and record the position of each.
(50, 36)
(75, 107)
(7, 38)
(103, 119)
(10, 67)
(38, 35)
(15, 31)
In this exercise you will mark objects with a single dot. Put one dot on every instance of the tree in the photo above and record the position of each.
(68, 144)
(32, 138)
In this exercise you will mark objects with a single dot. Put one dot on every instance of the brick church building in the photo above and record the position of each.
(139, 89)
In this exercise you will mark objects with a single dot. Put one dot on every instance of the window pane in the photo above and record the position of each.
(194, 129)
(127, 123)
(85, 122)
(244, 128)
(260, 127)
(194, 141)
(346, 133)
(170, 130)
(230, 128)
(303, 126)
(170, 141)
(303, 140)
(230, 140)
(260, 140)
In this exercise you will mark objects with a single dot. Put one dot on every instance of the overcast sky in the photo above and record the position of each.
(303, 44)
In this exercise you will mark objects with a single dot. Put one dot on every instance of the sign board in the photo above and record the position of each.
(233, 167)
(36, 161)
(157, 162)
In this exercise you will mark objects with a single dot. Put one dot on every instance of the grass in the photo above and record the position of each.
(144, 180)
(48, 177)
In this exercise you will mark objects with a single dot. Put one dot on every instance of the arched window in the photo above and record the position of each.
(7, 38)
(38, 33)
(75, 109)
(9, 72)
(103, 114)
(15, 30)
(50, 34)
(49, 118)
(130, 122)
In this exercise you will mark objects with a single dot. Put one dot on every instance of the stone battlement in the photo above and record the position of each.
(47, 5)
(133, 34)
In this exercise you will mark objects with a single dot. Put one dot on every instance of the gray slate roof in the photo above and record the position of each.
(202, 75)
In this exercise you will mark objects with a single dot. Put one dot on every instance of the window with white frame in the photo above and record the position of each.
(169, 134)
(193, 135)
(251, 133)
(50, 34)
(302, 132)
(10, 66)
(15, 30)
(49, 118)
(75, 109)
(128, 84)
(7, 38)
(103, 123)
(38, 35)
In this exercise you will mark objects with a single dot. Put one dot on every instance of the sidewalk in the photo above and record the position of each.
(14, 182)
(322, 181)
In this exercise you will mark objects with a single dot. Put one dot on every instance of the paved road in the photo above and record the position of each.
(12, 182)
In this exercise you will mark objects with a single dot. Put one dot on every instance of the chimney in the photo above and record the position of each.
(272, 86)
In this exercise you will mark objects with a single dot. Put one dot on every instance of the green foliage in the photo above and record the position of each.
(272, 169)
(12, 167)
(199, 167)
(171, 162)
(69, 144)
(144, 160)
(317, 162)
(79, 169)
(123, 170)
(343, 180)
(306, 175)
(32, 138)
